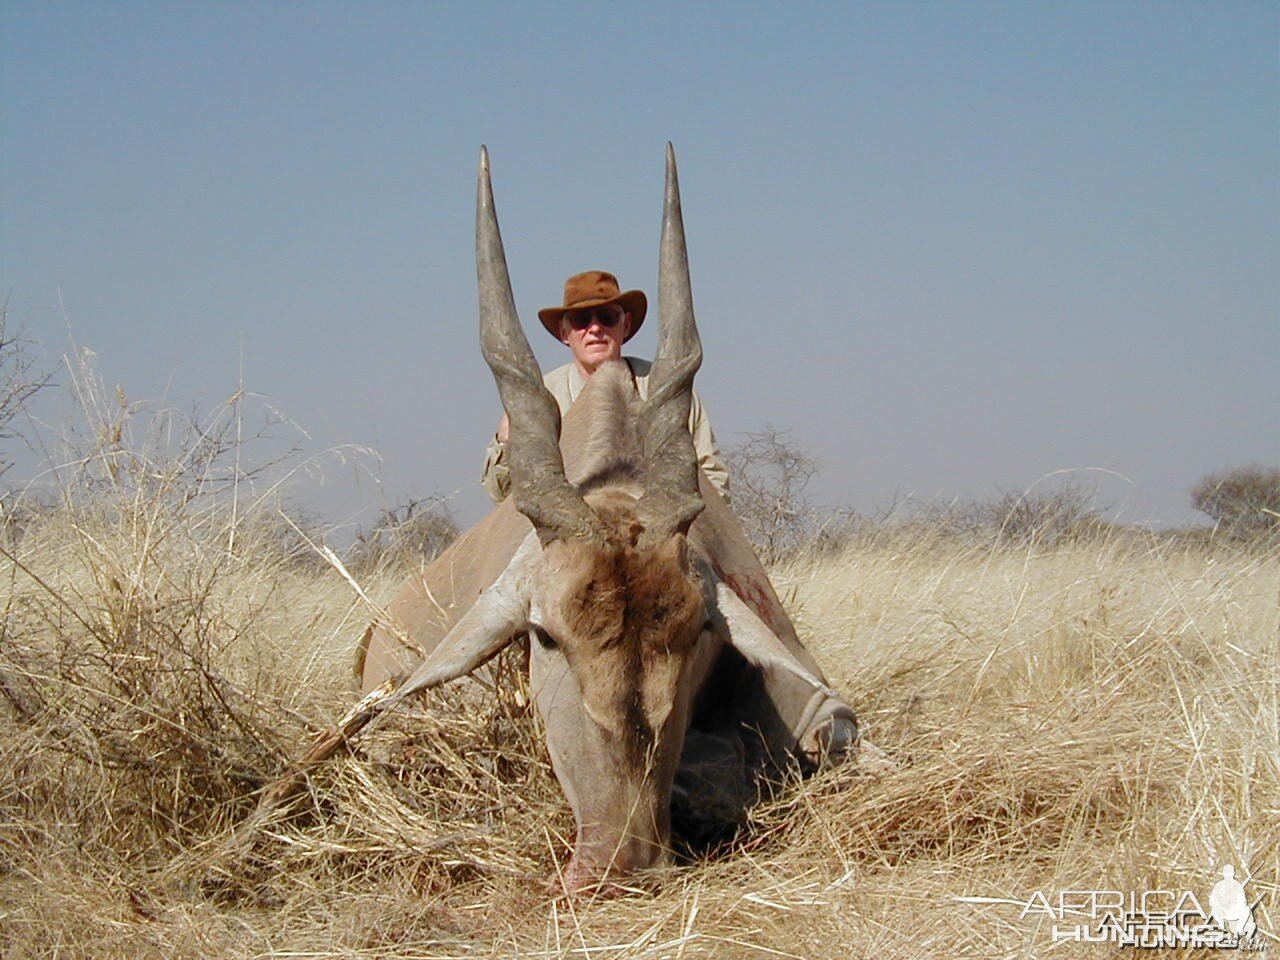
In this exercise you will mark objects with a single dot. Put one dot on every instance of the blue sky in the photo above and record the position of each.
(953, 247)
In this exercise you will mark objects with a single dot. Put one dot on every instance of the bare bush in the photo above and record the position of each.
(19, 382)
(1033, 517)
(408, 535)
(1244, 502)
(1051, 517)
(770, 472)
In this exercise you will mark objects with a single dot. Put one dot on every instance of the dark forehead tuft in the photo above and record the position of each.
(629, 592)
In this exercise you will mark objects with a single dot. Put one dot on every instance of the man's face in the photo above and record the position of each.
(595, 334)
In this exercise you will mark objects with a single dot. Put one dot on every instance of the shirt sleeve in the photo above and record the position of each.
(704, 445)
(496, 475)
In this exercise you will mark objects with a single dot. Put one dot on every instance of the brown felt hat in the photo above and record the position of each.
(593, 289)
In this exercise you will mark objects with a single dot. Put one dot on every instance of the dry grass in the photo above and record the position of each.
(1097, 714)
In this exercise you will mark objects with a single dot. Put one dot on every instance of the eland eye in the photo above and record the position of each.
(545, 639)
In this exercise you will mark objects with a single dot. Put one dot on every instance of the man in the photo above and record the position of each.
(594, 322)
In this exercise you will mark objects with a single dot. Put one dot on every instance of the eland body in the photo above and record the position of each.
(655, 631)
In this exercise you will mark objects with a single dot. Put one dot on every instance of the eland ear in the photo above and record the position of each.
(497, 616)
(743, 630)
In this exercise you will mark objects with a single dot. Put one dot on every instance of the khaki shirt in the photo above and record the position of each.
(565, 383)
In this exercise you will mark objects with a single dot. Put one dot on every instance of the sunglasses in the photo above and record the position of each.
(608, 317)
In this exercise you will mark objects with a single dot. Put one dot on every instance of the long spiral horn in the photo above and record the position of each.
(538, 484)
(671, 500)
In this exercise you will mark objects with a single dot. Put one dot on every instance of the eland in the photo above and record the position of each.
(658, 649)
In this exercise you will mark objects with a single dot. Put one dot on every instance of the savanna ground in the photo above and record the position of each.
(1095, 710)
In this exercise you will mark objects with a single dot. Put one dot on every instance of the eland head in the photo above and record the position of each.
(627, 611)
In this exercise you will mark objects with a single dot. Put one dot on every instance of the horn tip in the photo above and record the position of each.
(673, 186)
(484, 158)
